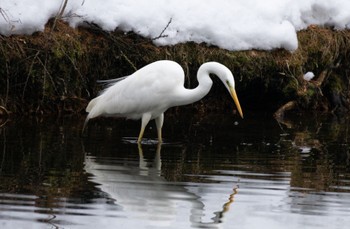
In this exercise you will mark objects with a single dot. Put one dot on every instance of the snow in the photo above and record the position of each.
(229, 24)
(308, 76)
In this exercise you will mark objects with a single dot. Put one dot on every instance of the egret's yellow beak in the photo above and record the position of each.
(235, 99)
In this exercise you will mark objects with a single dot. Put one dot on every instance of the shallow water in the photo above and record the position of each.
(213, 172)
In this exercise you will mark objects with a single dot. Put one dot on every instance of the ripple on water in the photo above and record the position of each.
(264, 177)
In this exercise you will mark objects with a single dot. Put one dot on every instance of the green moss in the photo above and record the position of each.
(291, 87)
(335, 83)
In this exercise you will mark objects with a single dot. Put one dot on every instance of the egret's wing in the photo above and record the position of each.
(150, 89)
(138, 94)
(110, 82)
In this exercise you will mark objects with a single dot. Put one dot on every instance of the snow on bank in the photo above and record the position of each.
(229, 24)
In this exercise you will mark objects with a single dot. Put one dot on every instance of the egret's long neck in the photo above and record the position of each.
(192, 95)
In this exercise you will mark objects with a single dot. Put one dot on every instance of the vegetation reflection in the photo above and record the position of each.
(49, 160)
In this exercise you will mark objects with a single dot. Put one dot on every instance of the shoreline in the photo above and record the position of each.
(55, 71)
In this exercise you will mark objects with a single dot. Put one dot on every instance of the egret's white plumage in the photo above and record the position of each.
(150, 91)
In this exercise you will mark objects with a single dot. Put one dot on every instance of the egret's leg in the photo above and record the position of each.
(157, 159)
(159, 124)
(142, 162)
(144, 121)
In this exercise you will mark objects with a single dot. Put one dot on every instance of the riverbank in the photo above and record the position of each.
(55, 71)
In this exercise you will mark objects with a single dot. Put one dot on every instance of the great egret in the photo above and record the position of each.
(150, 91)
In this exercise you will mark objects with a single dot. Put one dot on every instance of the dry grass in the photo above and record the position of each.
(59, 66)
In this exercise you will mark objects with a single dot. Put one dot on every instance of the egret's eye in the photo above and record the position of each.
(228, 83)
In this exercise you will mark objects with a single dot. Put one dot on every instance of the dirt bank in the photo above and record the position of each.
(55, 71)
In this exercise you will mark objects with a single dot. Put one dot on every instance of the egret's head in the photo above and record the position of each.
(226, 77)
(229, 82)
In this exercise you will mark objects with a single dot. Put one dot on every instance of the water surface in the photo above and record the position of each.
(216, 171)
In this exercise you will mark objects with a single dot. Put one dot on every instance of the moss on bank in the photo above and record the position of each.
(56, 70)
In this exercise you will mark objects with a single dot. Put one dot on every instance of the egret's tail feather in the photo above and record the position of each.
(91, 109)
(94, 111)
(85, 124)
(91, 105)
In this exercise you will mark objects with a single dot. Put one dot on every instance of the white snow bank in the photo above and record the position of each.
(229, 24)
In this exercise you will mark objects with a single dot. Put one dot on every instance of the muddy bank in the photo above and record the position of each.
(55, 71)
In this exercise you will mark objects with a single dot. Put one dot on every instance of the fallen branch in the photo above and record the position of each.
(279, 114)
(301, 91)
(318, 82)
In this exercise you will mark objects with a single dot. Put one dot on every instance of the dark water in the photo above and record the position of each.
(212, 172)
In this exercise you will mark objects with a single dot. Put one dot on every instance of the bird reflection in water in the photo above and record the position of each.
(143, 193)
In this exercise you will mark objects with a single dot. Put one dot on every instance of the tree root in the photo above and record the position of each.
(4, 112)
(302, 91)
(4, 116)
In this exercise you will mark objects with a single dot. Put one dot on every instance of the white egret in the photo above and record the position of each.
(150, 91)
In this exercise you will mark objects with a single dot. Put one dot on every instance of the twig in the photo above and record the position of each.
(6, 18)
(30, 71)
(48, 73)
(161, 34)
(128, 60)
(4, 15)
(62, 9)
(7, 82)
(3, 151)
(60, 14)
